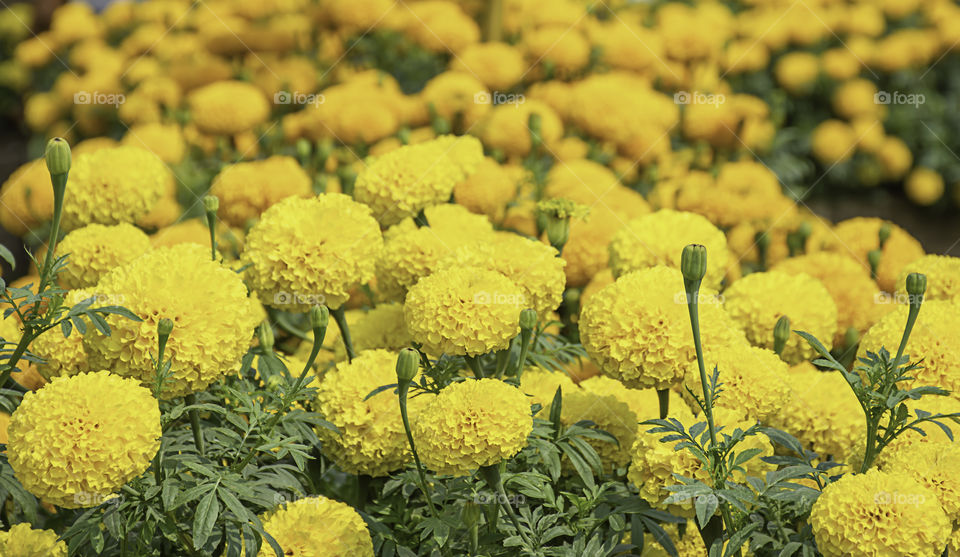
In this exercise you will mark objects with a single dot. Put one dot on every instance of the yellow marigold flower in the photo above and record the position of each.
(645, 403)
(855, 294)
(878, 514)
(464, 311)
(924, 186)
(207, 302)
(164, 140)
(610, 414)
(196, 231)
(382, 327)
(690, 544)
(353, 15)
(26, 199)
(904, 443)
(455, 95)
(371, 438)
(541, 386)
(323, 263)
(471, 424)
(315, 525)
(113, 185)
(113, 428)
(833, 141)
(586, 250)
(932, 465)
(563, 47)
(858, 236)
(930, 341)
(488, 191)
(753, 379)
(659, 239)
(743, 191)
(758, 300)
(62, 355)
(23, 541)
(943, 277)
(597, 282)
(228, 107)
(638, 330)
(407, 180)
(247, 189)
(855, 98)
(499, 66)
(821, 411)
(507, 126)
(96, 249)
(531, 265)
(411, 253)
(895, 157)
(797, 71)
(840, 63)
(439, 26)
(597, 187)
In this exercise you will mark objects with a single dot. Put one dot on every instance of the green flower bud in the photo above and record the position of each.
(781, 334)
(528, 319)
(303, 148)
(164, 327)
(693, 262)
(916, 285)
(325, 149)
(404, 135)
(558, 231)
(873, 257)
(884, 233)
(319, 317)
(57, 156)
(408, 363)
(265, 336)
(211, 203)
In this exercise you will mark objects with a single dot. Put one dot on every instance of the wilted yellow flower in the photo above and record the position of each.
(23, 541)
(308, 251)
(113, 425)
(95, 249)
(312, 524)
(247, 189)
(472, 424)
(228, 107)
(464, 311)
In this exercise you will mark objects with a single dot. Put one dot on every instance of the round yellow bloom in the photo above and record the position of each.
(840, 63)
(943, 277)
(638, 330)
(924, 186)
(586, 250)
(507, 126)
(65, 355)
(895, 157)
(247, 189)
(610, 414)
(858, 236)
(315, 526)
(96, 249)
(213, 319)
(455, 95)
(855, 294)
(931, 340)
(79, 439)
(932, 434)
(113, 185)
(382, 327)
(855, 98)
(561, 46)
(797, 71)
(541, 386)
(311, 251)
(403, 182)
(833, 141)
(932, 465)
(532, 265)
(164, 140)
(758, 300)
(228, 107)
(659, 239)
(26, 199)
(752, 379)
(23, 541)
(371, 439)
(877, 514)
(498, 65)
(488, 191)
(472, 424)
(464, 311)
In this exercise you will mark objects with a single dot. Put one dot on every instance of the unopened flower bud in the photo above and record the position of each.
(884, 233)
(57, 156)
(408, 364)
(873, 258)
(265, 336)
(319, 317)
(211, 203)
(558, 231)
(781, 334)
(165, 327)
(693, 262)
(916, 285)
(303, 148)
(528, 319)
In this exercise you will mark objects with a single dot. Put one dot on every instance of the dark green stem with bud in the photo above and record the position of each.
(408, 364)
(528, 322)
(916, 287)
(211, 204)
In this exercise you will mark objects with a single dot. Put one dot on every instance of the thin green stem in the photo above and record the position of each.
(59, 187)
(402, 388)
(693, 295)
(525, 338)
(491, 474)
(195, 425)
(474, 363)
(911, 320)
(340, 317)
(663, 397)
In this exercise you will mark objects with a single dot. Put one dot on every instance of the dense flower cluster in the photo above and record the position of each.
(306, 525)
(22, 541)
(247, 189)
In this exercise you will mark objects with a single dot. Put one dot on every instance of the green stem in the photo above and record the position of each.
(402, 388)
(59, 187)
(911, 320)
(474, 363)
(491, 475)
(340, 317)
(212, 225)
(693, 295)
(503, 358)
(195, 426)
(525, 337)
(869, 451)
(663, 396)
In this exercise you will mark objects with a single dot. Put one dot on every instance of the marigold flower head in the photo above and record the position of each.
(859, 236)
(638, 330)
(541, 386)
(471, 424)
(164, 140)
(645, 403)
(371, 439)
(659, 238)
(464, 311)
(96, 249)
(586, 251)
(758, 300)
(931, 341)
(488, 191)
(833, 141)
(65, 355)
(27, 198)
(312, 525)
(246, 189)
(610, 414)
(499, 66)
(23, 541)
(228, 107)
(932, 465)
(753, 379)
(876, 514)
(454, 95)
(381, 327)
(213, 319)
(113, 185)
(81, 438)
(532, 265)
(295, 263)
(507, 126)
(402, 182)
(943, 277)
